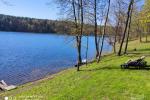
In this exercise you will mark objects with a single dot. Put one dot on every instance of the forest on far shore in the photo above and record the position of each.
(25, 24)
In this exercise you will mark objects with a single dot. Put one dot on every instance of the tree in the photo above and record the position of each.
(78, 37)
(146, 11)
(104, 31)
(146, 8)
(127, 39)
(126, 26)
(95, 29)
(74, 8)
(87, 47)
(117, 12)
(115, 38)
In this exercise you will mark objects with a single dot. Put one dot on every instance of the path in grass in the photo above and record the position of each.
(94, 82)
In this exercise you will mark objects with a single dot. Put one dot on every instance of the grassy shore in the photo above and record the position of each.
(103, 81)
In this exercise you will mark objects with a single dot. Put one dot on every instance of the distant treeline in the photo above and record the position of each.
(24, 24)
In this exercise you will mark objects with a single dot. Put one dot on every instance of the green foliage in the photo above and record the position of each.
(103, 81)
(147, 6)
(145, 16)
(23, 24)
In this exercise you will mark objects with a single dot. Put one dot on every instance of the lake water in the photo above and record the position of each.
(27, 57)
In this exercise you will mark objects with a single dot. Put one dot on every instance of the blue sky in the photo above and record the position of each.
(29, 8)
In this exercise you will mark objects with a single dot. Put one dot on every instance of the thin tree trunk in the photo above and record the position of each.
(100, 33)
(139, 32)
(77, 36)
(146, 40)
(79, 53)
(140, 37)
(124, 34)
(79, 12)
(80, 36)
(104, 31)
(95, 28)
(81, 4)
(115, 39)
(87, 47)
(127, 40)
(146, 37)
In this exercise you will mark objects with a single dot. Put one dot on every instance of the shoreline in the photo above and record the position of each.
(47, 77)
(53, 75)
(50, 76)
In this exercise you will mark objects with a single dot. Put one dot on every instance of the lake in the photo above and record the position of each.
(26, 57)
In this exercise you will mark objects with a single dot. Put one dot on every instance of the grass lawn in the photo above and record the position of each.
(103, 81)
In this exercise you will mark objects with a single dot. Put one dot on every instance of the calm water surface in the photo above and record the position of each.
(27, 57)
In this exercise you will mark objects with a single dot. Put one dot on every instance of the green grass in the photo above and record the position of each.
(103, 81)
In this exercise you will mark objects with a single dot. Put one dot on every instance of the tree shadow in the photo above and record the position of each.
(145, 42)
(114, 68)
(101, 68)
(134, 68)
(107, 60)
(146, 49)
(117, 67)
(140, 50)
(137, 54)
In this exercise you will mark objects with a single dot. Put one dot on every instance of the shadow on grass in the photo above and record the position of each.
(137, 54)
(101, 68)
(140, 50)
(146, 49)
(137, 68)
(115, 68)
(145, 42)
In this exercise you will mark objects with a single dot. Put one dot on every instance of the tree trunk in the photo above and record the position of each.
(127, 40)
(104, 31)
(79, 53)
(146, 40)
(100, 33)
(128, 15)
(95, 29)
(139, 32)
(87, 47)
(115, 39)
(80, 36)
(78, 40)
(140, 37)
